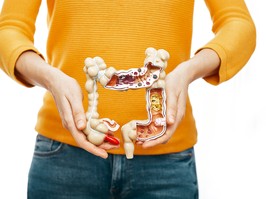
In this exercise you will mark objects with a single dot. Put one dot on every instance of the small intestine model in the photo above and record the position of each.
(151, 76)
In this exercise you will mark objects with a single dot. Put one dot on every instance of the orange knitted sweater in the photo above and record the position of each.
(119, 32)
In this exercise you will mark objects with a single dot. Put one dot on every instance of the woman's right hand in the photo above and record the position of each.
(32, 69)
(68, 97)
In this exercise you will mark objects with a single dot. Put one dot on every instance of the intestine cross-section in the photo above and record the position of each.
(151, 77)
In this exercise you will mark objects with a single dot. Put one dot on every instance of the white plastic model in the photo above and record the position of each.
(151, 77)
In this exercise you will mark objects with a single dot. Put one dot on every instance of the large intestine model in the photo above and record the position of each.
(150, 76)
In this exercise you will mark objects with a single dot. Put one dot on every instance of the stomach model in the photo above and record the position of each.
(151, 76)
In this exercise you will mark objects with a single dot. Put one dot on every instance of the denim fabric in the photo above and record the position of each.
(60, 171)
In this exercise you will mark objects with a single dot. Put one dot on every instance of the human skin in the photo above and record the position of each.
(67, 94)
(205, 63)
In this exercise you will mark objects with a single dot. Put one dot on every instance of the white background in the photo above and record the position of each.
(231, 122)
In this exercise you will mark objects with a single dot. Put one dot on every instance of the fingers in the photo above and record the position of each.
(163, 139)
(80, 138)
(181, 107)
(78, 123)
(171, 108)
(73, 118)
(176, 108)
(65, 113)
(176, 92)
(78, 113)
(108, 146)
(75, 102)
(86, 145)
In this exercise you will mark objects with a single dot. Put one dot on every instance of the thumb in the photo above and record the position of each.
(80, 120)
(79, 115)
(171, 109)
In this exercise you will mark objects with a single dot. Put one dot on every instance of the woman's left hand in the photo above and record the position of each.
(177, 83)
(205, 63)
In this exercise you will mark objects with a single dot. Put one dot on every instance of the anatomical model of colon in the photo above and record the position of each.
(150, 76)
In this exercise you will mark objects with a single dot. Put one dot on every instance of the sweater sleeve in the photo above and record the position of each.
(17, 28)
(235, 37)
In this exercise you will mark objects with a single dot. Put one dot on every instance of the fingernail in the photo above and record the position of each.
(171, 119)
(80, 124)
(104, 155)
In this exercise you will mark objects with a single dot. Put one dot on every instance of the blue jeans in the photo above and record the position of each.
(61, 171)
